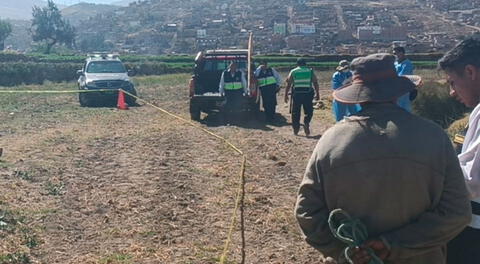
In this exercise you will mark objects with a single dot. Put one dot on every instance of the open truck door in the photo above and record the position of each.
(204, 85)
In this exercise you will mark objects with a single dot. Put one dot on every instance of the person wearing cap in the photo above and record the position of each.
(462, 68)
(404, 66)
(394, 171)
(341, 77)
(269, 83)
(304, 84)
(233, 86)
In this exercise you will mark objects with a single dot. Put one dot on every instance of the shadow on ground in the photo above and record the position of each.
(244, 120)
(302, 133)
(111, 105)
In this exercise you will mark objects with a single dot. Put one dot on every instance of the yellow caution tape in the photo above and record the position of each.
(241, 189)
(240, 194)
(55, 92)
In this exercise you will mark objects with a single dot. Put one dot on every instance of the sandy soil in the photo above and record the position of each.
(100, 185)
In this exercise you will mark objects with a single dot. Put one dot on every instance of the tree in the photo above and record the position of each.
(5, 31)
(48, 25)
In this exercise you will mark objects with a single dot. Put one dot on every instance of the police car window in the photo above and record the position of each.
(106, 67)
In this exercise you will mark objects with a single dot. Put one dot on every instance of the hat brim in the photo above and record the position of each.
(376, 92)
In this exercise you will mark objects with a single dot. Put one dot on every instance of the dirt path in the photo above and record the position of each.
(106, 186)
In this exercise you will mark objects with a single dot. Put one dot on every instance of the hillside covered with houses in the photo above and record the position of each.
(283, 26)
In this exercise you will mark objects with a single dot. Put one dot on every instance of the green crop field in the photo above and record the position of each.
(35, 68)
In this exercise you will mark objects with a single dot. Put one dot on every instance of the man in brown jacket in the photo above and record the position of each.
(396, 172)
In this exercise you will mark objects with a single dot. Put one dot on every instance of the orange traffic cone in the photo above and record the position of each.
(121, 101)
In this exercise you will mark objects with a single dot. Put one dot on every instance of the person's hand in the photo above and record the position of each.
(361, 256)
(380, 249)
(329, 260)
(317, 97)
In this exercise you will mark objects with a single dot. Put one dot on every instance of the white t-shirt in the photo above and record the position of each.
(470, 160)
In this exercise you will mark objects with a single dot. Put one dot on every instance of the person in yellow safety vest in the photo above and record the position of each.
(269, 83)
(303, 80)
(233, 86)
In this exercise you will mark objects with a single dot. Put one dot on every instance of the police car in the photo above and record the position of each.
(103, 71)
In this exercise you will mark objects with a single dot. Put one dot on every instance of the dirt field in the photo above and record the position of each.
(100, 185)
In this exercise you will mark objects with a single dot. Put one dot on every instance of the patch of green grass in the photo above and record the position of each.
(54, 189)
(30, 239)
(15, 258)
(24, 175)
(167, 79)
(14, 106)
(9, 220)
(117, 259)
(22, 113)
(5, 164)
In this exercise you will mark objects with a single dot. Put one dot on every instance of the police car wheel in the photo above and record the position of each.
(84, 100)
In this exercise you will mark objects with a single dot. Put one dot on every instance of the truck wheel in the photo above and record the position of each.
(131, 101)
(195, 112)
(84, 100)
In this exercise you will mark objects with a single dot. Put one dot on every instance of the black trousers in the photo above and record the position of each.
(269, 98)
(465, 248)
(299, 100)
(234, 99)
(233, 105)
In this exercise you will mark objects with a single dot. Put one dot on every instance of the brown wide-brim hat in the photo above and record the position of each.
(374, 80)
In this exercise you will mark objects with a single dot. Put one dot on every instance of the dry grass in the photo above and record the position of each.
(434, 102)
(99, 185)
(458, 126)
